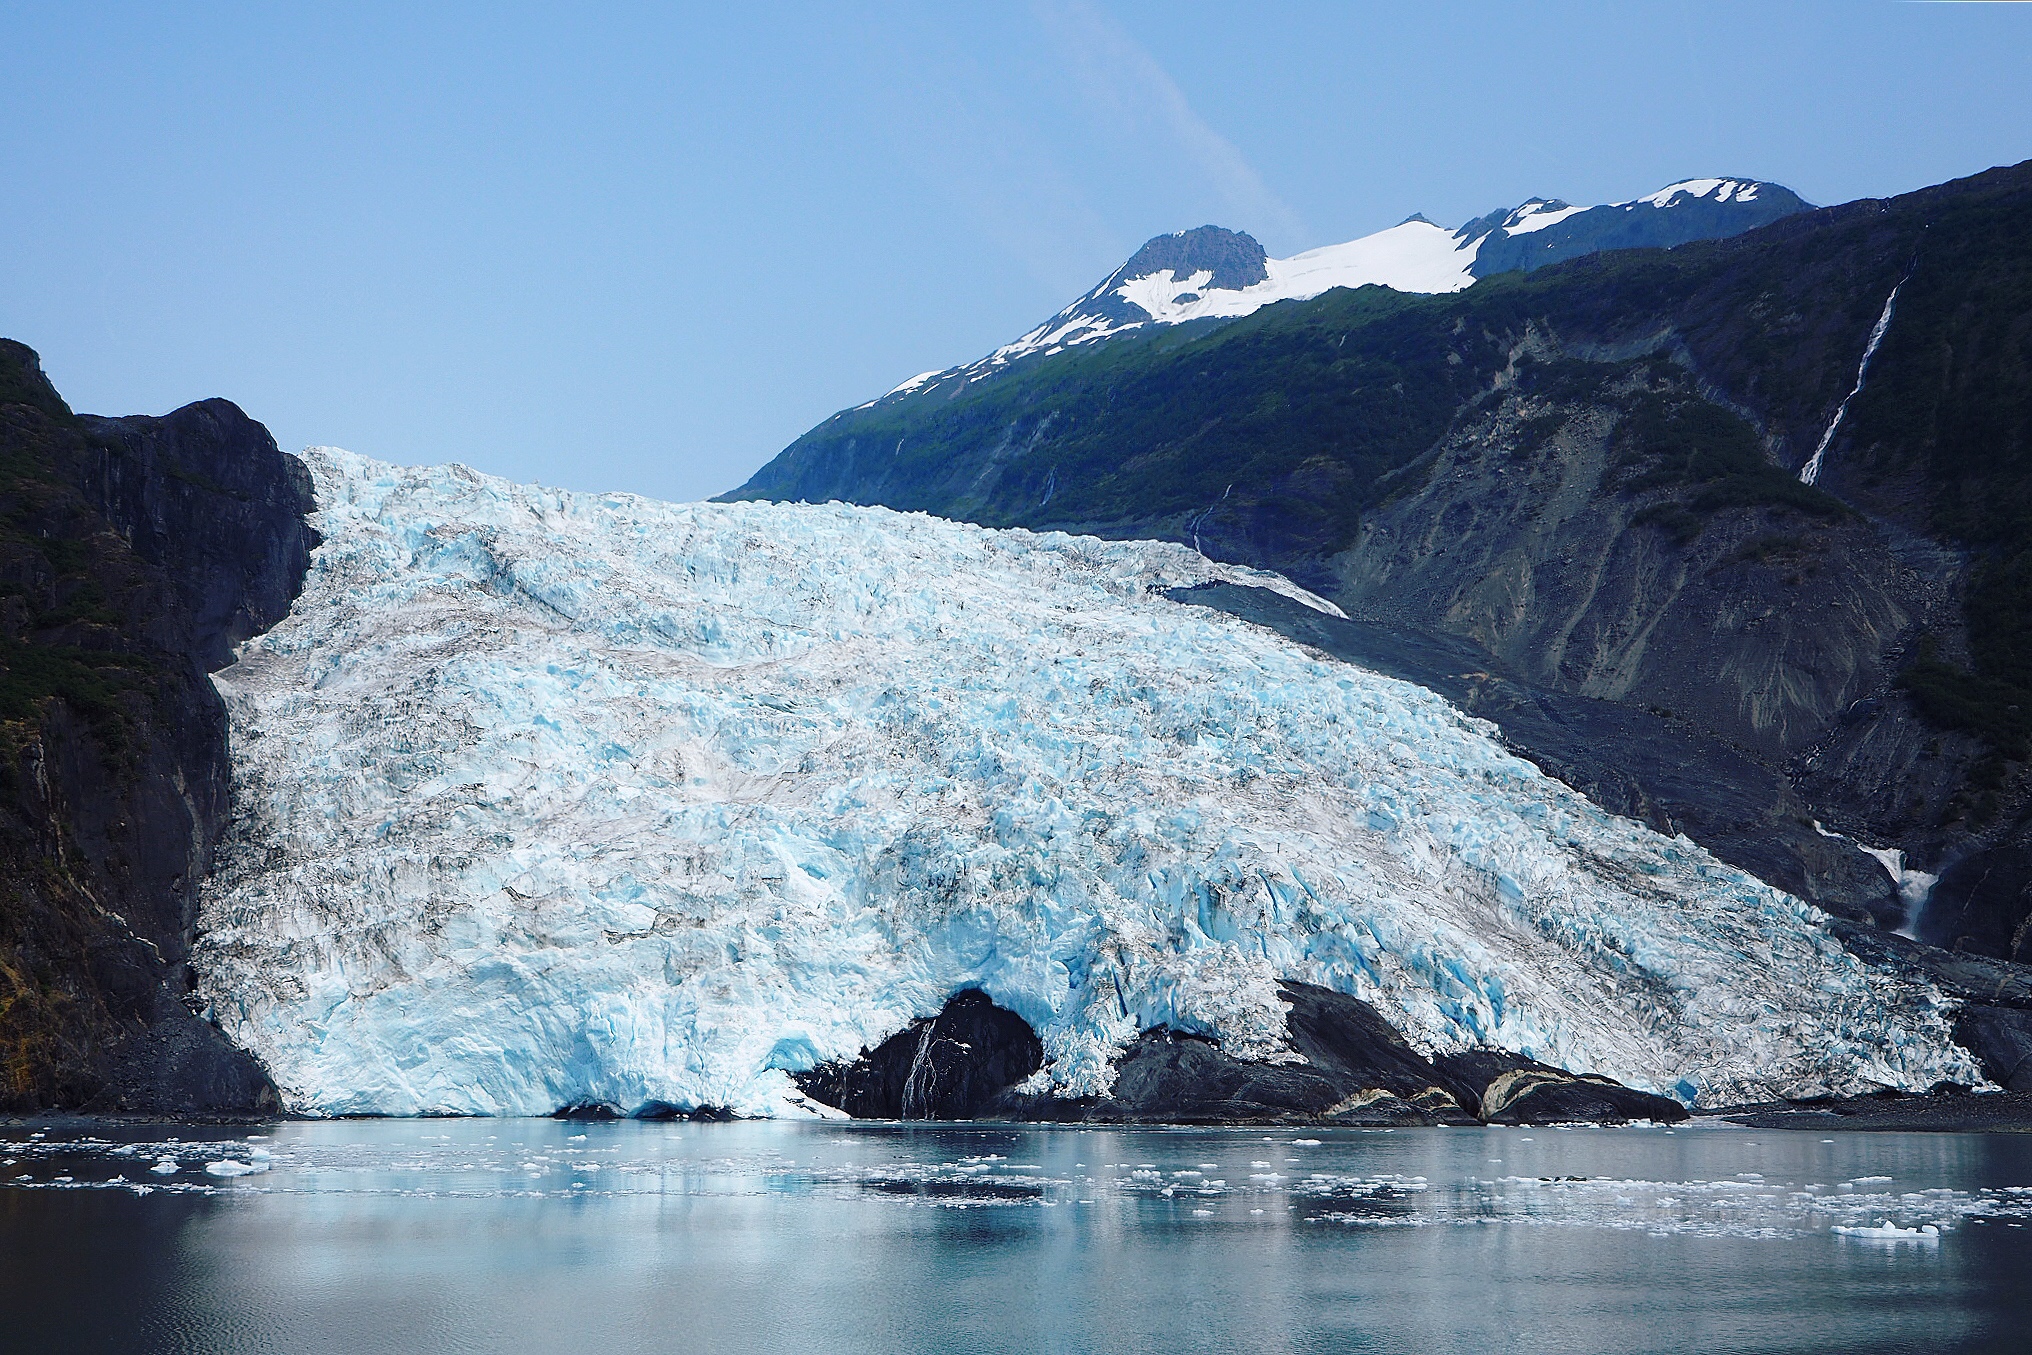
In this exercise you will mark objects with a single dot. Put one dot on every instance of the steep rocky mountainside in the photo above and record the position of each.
(1589, 474)
(134, 554)
(1541, 233)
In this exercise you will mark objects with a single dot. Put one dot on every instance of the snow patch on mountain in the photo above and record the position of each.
(1721, 190)
(544, 798)
(1413, 256)
(1416, 256)
(1536, 215)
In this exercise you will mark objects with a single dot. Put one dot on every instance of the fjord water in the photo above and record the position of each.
(510, 1235)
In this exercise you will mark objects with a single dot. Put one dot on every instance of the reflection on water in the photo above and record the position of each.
(538, 1235)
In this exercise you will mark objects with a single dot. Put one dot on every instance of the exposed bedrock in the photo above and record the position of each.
(1983, 903)
(135, 554)
(1946, 1109)
(958, 1065)
(1348, 1066)
(204, 494)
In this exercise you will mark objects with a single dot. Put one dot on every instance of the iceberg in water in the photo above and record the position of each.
(546, 798)
(1887, 1231)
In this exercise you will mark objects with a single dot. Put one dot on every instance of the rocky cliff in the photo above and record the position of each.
(134, 553)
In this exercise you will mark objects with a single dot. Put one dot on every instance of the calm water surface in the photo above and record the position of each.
(521, 1235)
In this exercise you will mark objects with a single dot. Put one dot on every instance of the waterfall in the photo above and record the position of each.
(1193, 523)
(1914, 886)
(1810, 472)
(923, 1078)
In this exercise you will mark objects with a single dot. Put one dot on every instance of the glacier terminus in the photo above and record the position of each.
(547, 798)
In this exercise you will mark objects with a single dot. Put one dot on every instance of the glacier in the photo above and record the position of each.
(544, 798)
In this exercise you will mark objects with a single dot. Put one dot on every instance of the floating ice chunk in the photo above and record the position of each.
(164, 1166)
(230, 1167)
(1886, 1231)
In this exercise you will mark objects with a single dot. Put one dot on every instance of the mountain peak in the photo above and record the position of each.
(1211, 274)
(1233, 259)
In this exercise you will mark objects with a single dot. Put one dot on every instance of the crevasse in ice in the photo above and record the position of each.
(544, 797)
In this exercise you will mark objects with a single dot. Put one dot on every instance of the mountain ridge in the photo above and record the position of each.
(1211, 273)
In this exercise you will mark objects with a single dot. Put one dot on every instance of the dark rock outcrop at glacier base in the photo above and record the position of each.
(134, 553)
(1348, 1067)
(1947, 1110)
(953, 1066)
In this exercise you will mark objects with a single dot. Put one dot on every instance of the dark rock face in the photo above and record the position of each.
(2002, 1036)
(1983, 903)
(1380, 1078)
(956, 1066)
(1636, 225)
(205, 495)
(1516, 1090)
(1945, 1109)
(1172, 1078)
(134, 554)
(1352, 1068)
(664, 1110)
(1233, 257)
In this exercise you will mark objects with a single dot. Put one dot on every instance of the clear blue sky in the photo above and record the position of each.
(643, 247)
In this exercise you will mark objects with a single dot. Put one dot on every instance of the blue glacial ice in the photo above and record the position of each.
(544, 798)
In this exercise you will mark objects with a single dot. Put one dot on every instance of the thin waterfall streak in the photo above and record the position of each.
(1810, 472)
(915, 1094)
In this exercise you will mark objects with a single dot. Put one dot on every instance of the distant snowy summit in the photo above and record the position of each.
(1212, 273)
